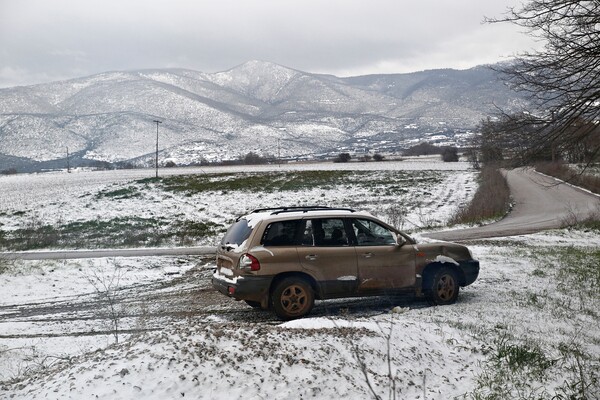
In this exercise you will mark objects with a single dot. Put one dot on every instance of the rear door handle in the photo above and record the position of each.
(311, 257)
(368, 255)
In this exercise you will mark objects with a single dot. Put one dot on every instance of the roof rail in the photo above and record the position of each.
(279, 210)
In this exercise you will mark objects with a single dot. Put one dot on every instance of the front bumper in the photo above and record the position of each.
(252, 288)
(470, 269)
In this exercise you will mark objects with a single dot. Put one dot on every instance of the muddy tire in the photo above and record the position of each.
(292, 298)
(444, 287)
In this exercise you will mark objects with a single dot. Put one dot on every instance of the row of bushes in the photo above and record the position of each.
(563, 172)
(491, 200)
(447, 153)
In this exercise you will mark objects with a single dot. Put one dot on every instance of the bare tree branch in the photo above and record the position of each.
(561, 81)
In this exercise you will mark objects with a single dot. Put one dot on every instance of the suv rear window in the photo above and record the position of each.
(237, 233)
(282, 233)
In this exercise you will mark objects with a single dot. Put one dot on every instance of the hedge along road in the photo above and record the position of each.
(540, 203)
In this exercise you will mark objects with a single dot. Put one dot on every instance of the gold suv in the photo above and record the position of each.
(284, 258)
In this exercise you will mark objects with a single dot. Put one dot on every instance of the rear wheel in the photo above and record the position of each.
(292, 298)
(444, 287)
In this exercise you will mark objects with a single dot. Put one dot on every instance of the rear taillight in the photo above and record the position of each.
(249, 262)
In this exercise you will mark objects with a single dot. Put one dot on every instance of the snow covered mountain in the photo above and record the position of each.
(256, 106)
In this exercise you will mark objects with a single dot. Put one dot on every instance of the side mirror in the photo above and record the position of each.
(400, 240)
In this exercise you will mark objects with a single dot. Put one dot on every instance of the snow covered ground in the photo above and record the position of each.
(527, 328)
(420, 191)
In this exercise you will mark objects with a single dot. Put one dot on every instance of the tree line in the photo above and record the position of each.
(561, 83)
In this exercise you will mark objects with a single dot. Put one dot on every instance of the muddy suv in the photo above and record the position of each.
(284, 258)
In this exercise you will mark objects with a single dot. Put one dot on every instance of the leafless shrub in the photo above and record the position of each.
(425, 218)
(106, 285)
(26, 361)
(573, 219)
(395, 215)
(359, 355)
(570, 219)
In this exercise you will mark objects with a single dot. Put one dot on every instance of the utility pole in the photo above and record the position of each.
(279, 152)
(68, 163)
(157, 122)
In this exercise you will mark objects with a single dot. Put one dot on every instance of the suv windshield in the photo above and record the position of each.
(369, 233)
(237, 233)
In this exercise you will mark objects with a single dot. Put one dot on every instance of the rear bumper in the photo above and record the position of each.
(253, 288)
(470, 270)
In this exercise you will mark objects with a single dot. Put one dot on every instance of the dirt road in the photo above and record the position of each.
(540, 202)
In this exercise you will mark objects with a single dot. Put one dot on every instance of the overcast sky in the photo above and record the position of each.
(46, 40)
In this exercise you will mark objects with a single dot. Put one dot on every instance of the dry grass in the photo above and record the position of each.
(563, 172)
(491, 201)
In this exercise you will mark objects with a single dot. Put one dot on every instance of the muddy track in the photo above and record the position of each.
(152, 306)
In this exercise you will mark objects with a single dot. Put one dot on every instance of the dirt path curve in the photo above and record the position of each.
(540, 203)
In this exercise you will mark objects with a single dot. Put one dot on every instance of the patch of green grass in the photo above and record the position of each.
(124, 193)
(250, 182)
(538, 272)
(187, 231)
(135, 231)
(576, 269)
(513, 371)
(521, 367)
(268, 182)
(116, 232)
(522, 356)
(520, 370)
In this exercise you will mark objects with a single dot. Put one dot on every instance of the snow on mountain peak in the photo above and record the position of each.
(259, 79)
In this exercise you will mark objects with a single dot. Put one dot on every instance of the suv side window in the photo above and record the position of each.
(325, 232)
(370, 233)
(281, 233)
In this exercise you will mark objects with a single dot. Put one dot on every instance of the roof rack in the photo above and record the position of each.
(279, 210)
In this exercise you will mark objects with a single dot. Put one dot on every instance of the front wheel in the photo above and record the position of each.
(444, 287)
(292, 298)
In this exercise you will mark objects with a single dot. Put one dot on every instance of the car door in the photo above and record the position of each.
(382, 263)
(327, 253)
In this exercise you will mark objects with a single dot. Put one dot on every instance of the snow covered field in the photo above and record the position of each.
(84, 204)
(527, 328)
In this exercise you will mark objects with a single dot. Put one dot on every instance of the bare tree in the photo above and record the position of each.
(562, 80)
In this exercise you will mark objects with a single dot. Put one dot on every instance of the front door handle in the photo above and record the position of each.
(368, 255)
(311, 257)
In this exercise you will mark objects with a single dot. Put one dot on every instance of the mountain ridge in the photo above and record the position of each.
(108, 117)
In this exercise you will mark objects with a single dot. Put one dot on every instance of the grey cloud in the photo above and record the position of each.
(42, 38)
